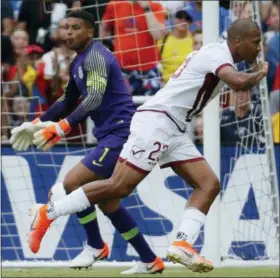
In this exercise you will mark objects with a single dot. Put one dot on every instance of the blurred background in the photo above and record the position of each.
(35, 61)
(34, 71)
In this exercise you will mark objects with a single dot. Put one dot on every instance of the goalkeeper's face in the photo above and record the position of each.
(78, 34)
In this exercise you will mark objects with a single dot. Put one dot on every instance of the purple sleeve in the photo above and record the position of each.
(97, 66)
(63, 104)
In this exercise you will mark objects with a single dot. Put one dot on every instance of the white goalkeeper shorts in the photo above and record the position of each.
(155, 138)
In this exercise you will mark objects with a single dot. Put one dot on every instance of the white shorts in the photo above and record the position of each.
(155, 138)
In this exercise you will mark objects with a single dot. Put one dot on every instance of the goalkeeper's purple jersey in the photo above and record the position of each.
(96, 77)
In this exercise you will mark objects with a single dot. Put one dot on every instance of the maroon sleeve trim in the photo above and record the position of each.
(222, 66)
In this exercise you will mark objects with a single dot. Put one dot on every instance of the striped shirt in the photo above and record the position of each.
(96, 78)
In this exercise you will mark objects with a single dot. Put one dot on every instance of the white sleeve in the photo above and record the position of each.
(217, 58)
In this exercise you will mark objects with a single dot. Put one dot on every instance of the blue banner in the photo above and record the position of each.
(27, 178)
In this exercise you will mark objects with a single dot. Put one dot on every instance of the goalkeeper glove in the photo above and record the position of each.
(22, 135)
(46, 138)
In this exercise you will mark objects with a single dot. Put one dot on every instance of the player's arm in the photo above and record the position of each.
(63, 104)
(96, 84)
(242, 80)
(22, 135)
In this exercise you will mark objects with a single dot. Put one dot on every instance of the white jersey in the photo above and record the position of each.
(193, 85)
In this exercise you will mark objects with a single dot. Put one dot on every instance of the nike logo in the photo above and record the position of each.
(96, 258)
(31, 225)
(96, 163)
(151, 267)
(51, 138)
(186, 253)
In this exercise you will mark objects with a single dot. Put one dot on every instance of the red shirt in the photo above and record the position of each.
(134, 46)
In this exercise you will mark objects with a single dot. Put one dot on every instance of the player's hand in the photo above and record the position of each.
(22, 135)
(46, 138)
(261, 67)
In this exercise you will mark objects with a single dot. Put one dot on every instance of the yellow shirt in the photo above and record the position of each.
(29, 77)
(276, 127)
(174, 54)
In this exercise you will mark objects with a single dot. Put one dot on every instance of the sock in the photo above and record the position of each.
(127, 227)
(192, 221)
(76, 201)
(88, 219)
(57, 192)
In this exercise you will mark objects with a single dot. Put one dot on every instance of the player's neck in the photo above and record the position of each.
(179, 34)
(81, 50)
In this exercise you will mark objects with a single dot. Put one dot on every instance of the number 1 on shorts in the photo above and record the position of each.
(106, 150)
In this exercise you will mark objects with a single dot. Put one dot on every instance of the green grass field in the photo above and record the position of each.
(115, 272)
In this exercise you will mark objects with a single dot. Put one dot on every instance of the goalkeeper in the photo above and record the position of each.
(96, 77)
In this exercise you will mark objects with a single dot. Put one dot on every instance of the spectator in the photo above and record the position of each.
(274, 100)
(197, 39)
(273, 58)
(58, 13)
(194, 8)
(242, 121)
(20, 40)
(30, 83)
(7, 56)
(33, 80)
(7, 62)
(40, 18)
(265, 8)
(33, 18)
(273, 23)
(276, 85)
(247, 11)
(236, 10)
(136, 26)
(56, 64)
(175, 46)
(7, 17)
(27, 69)
(275, 126)
(21, 111)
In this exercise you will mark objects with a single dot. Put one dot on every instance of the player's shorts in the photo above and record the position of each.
(102, 160)
(155, 138)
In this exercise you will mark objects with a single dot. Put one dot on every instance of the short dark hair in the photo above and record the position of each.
(86, 16)
(182, 14)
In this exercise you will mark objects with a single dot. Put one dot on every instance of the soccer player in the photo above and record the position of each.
(95, 75)
(158, 135)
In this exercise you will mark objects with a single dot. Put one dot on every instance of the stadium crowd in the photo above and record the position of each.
(150, 40)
